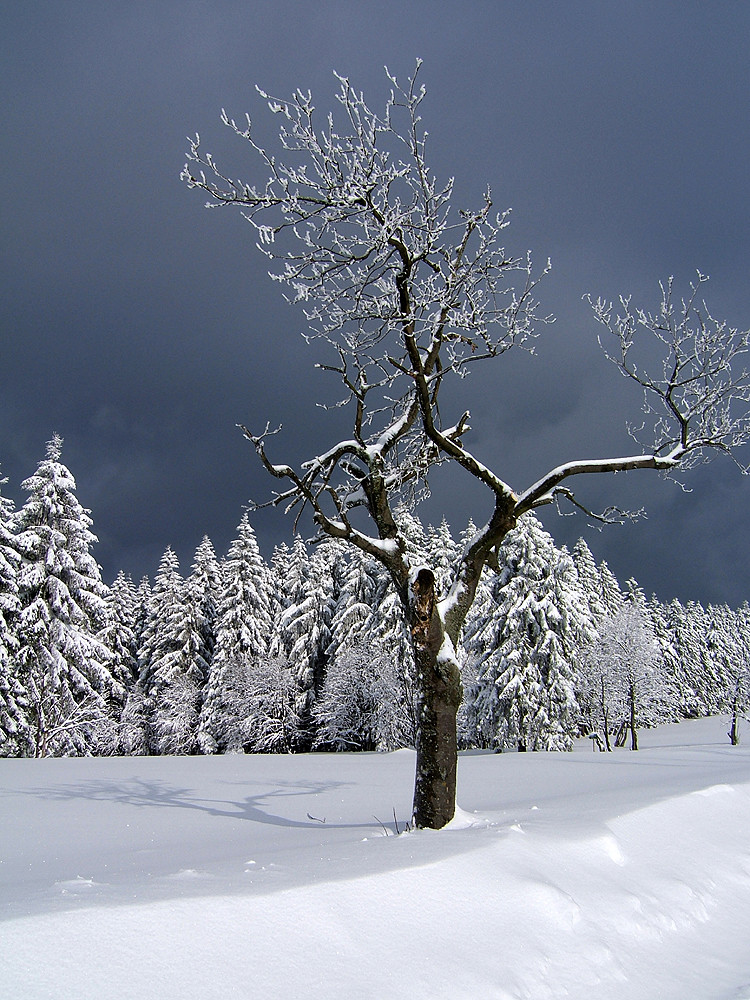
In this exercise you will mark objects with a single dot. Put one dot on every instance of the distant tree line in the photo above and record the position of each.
(308, 652)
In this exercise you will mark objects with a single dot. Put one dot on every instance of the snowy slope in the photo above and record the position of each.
(564, 875)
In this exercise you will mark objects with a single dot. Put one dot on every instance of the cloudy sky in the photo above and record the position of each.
(143, 329)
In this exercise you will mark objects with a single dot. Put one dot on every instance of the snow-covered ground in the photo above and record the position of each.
(564, 875)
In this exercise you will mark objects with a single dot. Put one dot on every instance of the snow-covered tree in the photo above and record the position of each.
(203, 590)
(172, 665)
(405, 294)
(134, 735)
(361, 706)
(174, 714)
(119, 631)
(623, 667)
(14, 734)
(739, 698)
(243, 633)
(589, 579)
(351, 622)
(526, 654)
(611, 593)
(142, 612)
(441, 555)
(303, 632)
(259, 707)
(65, 665)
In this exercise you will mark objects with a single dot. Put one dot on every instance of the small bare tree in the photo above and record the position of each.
(738, 676)
(623, 677)
(404, 293)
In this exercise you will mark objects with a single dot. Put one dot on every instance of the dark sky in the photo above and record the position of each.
(143, 329)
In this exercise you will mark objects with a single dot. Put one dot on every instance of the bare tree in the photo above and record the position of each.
(404, 293)
(739, 683)
(623, 678)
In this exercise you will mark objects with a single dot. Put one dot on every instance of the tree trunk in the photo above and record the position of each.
(605, 716)
(734, 732)
(633, 726)
(438, 696)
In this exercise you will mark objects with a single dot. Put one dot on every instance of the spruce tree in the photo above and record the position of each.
(14, 732)
(243, 632)
(303, 632)
(65, 665)
(119, 633)
(525, 694)
(589, 578)
(172, 665)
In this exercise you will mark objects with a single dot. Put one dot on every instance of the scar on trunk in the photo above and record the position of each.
(422, 629)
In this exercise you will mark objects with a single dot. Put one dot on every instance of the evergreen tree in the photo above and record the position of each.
(142, 613)
(527, 652)
(442, 553)
(290, 570)
(65, 666)
(203, 590)
(243, 633)
(304, 633)
(351, 622)
(119, 634)
(172, 665)
(589, 579)
(14, 733)
(611, 593)
(482, 610)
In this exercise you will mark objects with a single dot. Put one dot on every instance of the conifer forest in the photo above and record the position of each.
(309, 651)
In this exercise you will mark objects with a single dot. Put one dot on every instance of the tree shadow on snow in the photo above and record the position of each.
(143, 793)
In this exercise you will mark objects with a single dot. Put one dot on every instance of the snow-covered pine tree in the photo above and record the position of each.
(442, 553)
(634, 594)
(14, 732)
(364, 703)
(679, 633)
(527, 668)
(159, 634)
(65, 666)
(359, 576)
(172, 665)
(590, 579)
(243, 633)
(472, 648)
(142, 612)
(388, 634)
(290, 569)
(717, 652)
(303, 632)
(611, 593)
(738, 674)
(204, 589)
(119, 634)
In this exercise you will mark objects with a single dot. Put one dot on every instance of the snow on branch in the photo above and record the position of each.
(696, 398)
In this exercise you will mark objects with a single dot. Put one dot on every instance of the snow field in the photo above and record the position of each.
(605, 875)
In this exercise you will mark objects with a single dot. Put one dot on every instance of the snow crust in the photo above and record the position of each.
(581, 874)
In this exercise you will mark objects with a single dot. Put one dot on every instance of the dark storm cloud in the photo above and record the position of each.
(143, 328)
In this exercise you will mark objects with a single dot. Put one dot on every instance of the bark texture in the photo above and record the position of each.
(438, 696)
